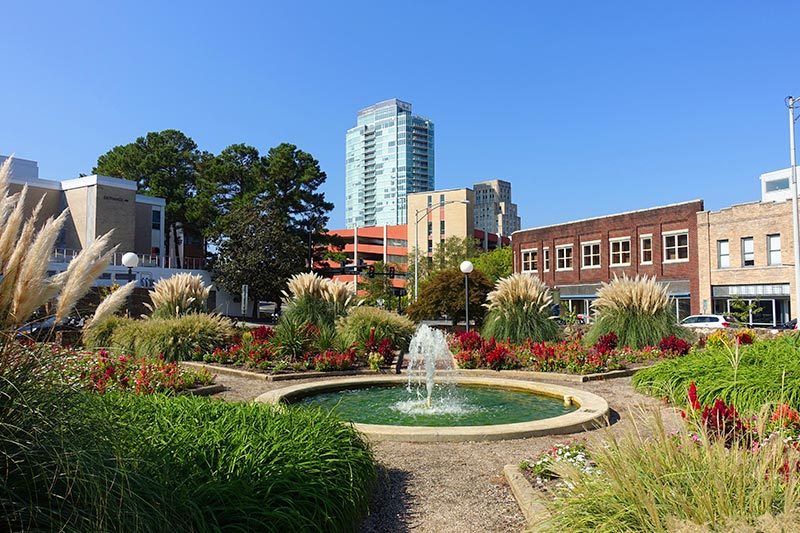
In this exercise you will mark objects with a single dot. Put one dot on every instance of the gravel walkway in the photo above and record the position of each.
(459, 487)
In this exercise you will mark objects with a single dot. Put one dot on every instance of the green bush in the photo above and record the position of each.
(310, 310)
(178, 339)
(354, 329)
(519, 310)
(638, 310)
(443, 294)
(293, 338)
(766, 372)
(75, 461)
(248, 466)
(99, 335)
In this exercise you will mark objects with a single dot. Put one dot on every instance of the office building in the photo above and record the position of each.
(389, 154)
(574, 258)
(494, 211)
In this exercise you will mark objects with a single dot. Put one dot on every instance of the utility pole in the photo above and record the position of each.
(790, 102)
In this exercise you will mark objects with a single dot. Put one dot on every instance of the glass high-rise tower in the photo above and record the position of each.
(389, 154)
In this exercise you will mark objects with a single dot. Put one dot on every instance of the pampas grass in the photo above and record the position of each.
(639, 310)
(304, 285)
(110, 305)
(25, 254)
(519, 310)
(178, 295)
(310, 298)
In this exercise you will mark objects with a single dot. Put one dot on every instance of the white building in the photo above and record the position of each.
(775, 185)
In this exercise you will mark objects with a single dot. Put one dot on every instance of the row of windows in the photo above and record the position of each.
(748, 251)
(675, 250)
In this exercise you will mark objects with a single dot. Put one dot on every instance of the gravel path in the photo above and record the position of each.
(459, 487)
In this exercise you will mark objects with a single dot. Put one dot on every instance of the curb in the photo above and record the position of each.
(528, 498)
(207, 390)
(556, 376)
(217, 369)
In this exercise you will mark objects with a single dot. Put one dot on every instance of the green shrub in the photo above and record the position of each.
(766, 372)
(99, 335)
(309, 310)
(248, 466)
(638, 310)
(354, 329)
(178, 339)
(519, 310)
(443, 294)
(654, 481)
(293, 339)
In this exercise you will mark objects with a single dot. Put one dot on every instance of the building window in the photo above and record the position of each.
(441, 199)
(430, 228)
(530, 260)
(748, 252)
(646, 249)
(777, 185)
(621, 252)
(723, 254)
(430, 246)
(591, 255)
(546, 260)
(564, 258)
(773, 250)
(441, 226)
(676, 247)
(156, 219)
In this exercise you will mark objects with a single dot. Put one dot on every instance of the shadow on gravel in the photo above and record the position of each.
(389, 511)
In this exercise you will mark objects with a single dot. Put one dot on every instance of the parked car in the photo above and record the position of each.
(710, 321)
(792, 324)
(41, 329)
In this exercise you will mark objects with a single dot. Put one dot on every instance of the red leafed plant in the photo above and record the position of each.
(785, 416)
(744, 336)
(674, 345)
(468, 340)
(262, 333)
(331, 360)
(606, 343)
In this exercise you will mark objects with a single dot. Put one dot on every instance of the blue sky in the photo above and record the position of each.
(586, 107)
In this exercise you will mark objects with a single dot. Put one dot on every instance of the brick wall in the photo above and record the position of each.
(655, 222)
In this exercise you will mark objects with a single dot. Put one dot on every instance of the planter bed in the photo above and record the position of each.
(288, 376)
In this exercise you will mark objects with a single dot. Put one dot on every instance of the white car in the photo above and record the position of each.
(710, 321)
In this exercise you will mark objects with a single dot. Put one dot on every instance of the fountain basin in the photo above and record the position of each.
(591, 412)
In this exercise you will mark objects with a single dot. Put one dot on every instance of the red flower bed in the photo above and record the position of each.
(102, 372)
(674, 345)
(331, 360)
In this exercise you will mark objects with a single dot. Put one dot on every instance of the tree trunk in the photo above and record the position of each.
(255, 308)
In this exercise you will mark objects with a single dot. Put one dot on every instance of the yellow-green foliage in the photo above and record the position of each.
(179, 338)
(178, 295)
(355, 327)
(649, 480)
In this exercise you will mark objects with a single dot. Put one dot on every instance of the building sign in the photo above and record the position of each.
(115, 198)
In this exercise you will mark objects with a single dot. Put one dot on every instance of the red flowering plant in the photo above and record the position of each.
(673, 345)
(606, 343)
(745, 336)
(103, 372)
(332, 360)
(719, 421)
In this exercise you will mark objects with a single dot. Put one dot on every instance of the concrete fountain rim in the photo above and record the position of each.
(592, 411)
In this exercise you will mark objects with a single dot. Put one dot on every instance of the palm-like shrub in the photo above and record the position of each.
(638, 310)
(178, 295)
(519, 310)
(355, 327)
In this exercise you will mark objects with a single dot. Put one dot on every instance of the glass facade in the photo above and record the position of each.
(388, 155)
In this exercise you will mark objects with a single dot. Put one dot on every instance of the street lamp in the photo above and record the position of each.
(130, 260)
(466, 268)
(790, 103)
(419, 217)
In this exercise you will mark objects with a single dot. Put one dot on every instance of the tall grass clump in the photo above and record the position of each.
(638, 310)
(361, 322)
(312, 299)
(679, 482)
(748, 377)
(178, 295)
(249, 466)
(519, 310)
(176, 339)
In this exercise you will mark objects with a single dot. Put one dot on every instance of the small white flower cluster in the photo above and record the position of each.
(574, 454)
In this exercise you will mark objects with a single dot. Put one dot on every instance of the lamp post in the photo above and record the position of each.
(466, 268)
(790, 103)
(130, 260)
(419, 217)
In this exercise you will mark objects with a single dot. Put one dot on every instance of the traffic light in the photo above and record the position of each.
(371, 271)
(391, 272)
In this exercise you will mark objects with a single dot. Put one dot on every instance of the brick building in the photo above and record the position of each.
(574, 258)
(745, 252)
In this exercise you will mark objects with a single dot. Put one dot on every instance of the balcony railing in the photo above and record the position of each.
(65, 255)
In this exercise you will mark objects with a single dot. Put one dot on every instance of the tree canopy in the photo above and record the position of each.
(496, 264)
(443, 294)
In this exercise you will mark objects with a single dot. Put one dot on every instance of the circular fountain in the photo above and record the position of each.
(434, 403)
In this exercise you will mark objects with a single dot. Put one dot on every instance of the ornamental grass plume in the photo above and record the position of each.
(338, 293)
(519, 310)
(639, 310)
(306, 284)
(25, 254)
(110, 305)
(178, 295)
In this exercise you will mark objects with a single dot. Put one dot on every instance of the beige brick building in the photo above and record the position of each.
(745, 252)
(443, 219)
